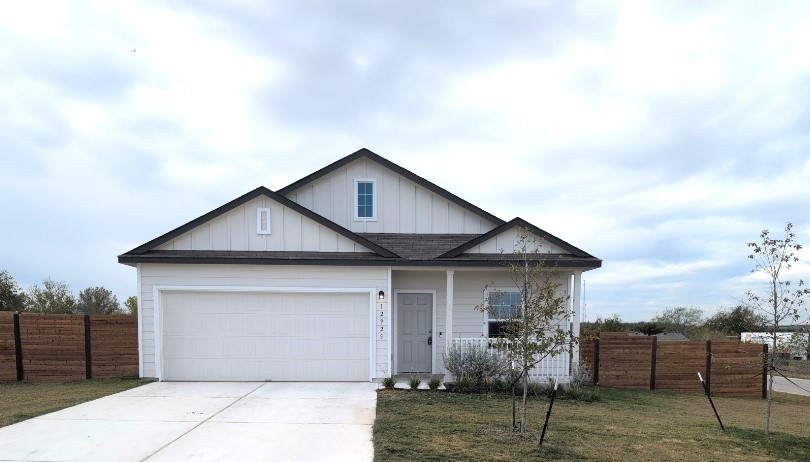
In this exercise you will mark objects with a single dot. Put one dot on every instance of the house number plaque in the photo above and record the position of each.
(381, 322)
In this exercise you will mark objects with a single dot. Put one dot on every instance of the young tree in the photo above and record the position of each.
(778, 302)
(131, 304)
(12, 298)
(680, 319)
(53, 297)
(97, 300)
(532, 328)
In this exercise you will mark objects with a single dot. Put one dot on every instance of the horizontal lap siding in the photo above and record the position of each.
(250, 276)
(114, 346)
(8, 359)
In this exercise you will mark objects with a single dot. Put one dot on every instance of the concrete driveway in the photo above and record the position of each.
(783, 385)
(233, 421)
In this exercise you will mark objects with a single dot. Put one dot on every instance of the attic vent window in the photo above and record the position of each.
(365, 202)
(262, 220)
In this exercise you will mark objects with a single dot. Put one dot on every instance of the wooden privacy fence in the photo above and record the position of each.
(617, 359)
(67, 347)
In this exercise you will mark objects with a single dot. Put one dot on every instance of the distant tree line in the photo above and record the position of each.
(689, 321)
(56, 297)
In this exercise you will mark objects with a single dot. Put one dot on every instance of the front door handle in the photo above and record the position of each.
(430, 340)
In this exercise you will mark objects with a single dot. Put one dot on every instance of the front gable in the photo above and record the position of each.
(504, 240)
(237, 227)
(259, 225)
(404, 202)
(507, 241)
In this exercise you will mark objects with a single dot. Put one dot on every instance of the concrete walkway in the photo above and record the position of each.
(781, 384)
(237, 421)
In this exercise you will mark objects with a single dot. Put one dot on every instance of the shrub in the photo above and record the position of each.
(435, 381)
(389, 382)
(580, 376)
(474, 362)
(414, 381)
(465, 385)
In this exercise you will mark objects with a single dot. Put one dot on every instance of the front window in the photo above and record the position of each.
(503, 307)
(365, 206)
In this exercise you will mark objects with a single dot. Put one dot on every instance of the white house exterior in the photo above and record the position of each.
(358, 271)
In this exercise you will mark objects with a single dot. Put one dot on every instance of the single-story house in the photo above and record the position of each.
(355, 272)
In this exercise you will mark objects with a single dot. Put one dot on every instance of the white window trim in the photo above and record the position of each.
(375, 196)
(487, 316)
(259, 212)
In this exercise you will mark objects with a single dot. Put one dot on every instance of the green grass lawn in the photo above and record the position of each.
(627, 425)
(22, 400)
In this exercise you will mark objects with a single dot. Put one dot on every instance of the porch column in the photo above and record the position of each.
(576, 308)
(448, 320)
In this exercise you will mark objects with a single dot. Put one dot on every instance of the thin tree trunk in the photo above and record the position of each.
(524, 411)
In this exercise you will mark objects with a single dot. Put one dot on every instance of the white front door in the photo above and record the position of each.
(414, 334)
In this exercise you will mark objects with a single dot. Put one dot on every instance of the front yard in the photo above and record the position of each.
(628, 425)
(23, 400)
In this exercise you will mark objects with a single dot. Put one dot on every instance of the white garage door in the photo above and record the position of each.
(265, 336)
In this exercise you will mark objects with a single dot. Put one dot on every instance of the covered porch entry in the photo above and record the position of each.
(431, 309)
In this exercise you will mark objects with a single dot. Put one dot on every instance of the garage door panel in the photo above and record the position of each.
(266, 336)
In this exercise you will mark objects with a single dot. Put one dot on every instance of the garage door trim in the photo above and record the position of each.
(158, 309)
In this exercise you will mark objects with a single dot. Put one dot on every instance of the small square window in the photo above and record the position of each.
(365, 204)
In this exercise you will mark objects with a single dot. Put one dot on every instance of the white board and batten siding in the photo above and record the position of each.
(303, 313)
(237, 230)
(402, 206)
(507, 241)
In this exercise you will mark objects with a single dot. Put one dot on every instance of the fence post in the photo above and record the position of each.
(18, 347)
(596, 362)
(765, 371)
(709, 366)
(88, 354)
(653, 363)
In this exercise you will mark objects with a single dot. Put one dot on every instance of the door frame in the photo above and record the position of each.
(395, 332)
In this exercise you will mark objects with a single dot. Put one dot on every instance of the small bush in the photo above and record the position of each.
(464, 385)
(580, 376)
(414, 381)
(389, 382)
(475, 362)
(435, 381)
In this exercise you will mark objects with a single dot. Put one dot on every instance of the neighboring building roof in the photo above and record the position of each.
(664, 336)
(396, 168)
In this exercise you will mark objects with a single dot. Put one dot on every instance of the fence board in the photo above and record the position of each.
(53, 346)
(626, 362)
(8, 359)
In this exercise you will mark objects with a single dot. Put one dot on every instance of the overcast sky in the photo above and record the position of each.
(658, 136)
